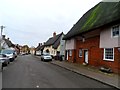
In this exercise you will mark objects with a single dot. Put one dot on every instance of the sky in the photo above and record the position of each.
(29, 22)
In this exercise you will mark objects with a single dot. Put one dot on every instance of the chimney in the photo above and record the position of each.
(54, 34)
(3, 36)
(39, 44)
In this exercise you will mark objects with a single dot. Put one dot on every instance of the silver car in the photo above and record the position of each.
(9, 53)
(46, 57)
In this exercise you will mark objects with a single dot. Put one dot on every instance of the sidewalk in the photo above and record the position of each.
(91, 72)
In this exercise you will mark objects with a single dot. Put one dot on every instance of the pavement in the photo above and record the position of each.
(91, 72)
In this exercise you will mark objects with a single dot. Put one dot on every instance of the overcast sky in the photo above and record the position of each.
(34, 21)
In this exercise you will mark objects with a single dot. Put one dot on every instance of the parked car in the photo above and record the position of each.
(4, 60)
(46, 57)
(11, 54)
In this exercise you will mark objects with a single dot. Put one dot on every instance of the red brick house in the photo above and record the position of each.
(95, 38)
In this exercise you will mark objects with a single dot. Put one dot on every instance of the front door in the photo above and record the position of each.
(67, 55)
(86, 56)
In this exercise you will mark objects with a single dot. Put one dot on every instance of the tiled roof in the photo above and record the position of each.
(102, 14)
(54, 41)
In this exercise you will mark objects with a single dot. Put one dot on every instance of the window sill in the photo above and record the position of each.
(109, 60)
(115, 36)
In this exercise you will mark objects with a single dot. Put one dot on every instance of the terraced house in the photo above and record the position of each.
(95, 38)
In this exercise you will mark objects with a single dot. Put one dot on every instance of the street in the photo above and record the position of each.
(28, 71)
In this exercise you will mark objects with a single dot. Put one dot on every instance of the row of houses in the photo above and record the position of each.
(94, 40)
(54, 45)
(6, 43)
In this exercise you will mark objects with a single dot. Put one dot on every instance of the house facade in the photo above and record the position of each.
(70, 49)
(6, 43)
(32, 50)
(95, 38)
(3, 43)
(55, 45)
(39, 49)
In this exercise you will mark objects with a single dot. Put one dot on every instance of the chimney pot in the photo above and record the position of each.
(54, 34)
(3, 36)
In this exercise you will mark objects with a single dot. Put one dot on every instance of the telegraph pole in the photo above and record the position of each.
(2, 29)
(1, 36)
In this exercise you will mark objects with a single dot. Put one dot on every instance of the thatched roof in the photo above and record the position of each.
(101, 14)
(54, 41)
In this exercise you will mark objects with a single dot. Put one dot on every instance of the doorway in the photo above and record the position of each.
(86, 56)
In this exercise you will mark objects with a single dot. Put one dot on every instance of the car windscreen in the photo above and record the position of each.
(46, 54)
(7, 51)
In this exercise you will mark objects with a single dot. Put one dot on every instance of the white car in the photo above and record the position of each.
(46, 57)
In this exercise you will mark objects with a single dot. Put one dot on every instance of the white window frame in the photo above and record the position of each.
(112, 31)
(80, 52)
(105, 56)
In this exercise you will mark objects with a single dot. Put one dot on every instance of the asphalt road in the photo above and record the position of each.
(30, 72)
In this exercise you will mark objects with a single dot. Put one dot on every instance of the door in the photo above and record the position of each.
(86, 56)
(67, 55)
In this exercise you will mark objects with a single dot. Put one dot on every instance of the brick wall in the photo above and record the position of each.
(95, 54)
(114, 65)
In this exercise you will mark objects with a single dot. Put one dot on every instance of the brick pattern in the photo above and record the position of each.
(114, 65)
(95, 54)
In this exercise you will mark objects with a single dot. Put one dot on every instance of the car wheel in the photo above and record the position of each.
(44, 60)
(8, 62)
(41, 59)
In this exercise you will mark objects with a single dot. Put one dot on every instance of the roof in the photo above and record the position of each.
(101, 14)
(54, 41)
(39, 47)
(9, 43)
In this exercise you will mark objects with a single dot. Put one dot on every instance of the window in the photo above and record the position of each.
(115, 31)
(70, 52)
(80, 52)
(109, 54)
